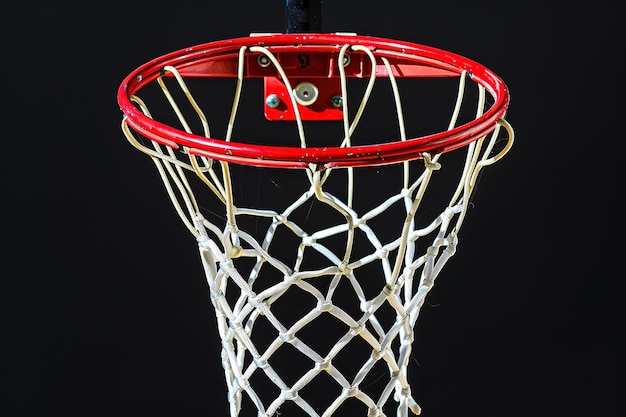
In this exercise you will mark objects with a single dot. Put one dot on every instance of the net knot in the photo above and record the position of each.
(378, 354)
(256, 304)
(451, 248)
(453, 240)
(432, 251)
(236, 327)
(242, 383)
(203, 241)
(216, 293)
(324, 365)
(261, 363)
(429, 163)
(355, 331)
(287, 337)
(324, 306)
(280, 219)
(289, 395)
(368, 307)
(343, 267)
(389, 290)
(374, 412)
(351, 391)
(382, 253)
(404, 396)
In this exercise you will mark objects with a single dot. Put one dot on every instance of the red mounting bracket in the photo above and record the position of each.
(313, 77)
(316, 99)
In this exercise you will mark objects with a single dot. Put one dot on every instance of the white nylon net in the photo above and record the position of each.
(317, 293)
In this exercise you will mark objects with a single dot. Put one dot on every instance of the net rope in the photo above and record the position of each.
(236, 261)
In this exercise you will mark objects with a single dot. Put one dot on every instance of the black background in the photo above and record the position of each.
(104, 306)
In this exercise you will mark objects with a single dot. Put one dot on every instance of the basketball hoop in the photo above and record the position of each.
(339, 255)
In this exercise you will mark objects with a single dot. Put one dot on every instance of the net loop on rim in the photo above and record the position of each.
(317, 280)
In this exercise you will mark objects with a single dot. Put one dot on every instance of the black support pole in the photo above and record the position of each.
(303, 16)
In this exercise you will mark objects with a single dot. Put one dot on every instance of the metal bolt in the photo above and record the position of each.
(337, 101)
(305, 93)
(264, 61)
(272, 101)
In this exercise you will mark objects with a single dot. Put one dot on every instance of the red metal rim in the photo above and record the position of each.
(296, 157)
